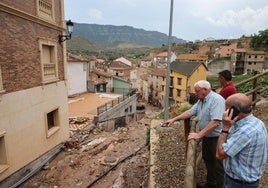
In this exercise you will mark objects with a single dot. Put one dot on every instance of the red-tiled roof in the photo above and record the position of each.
(162, 54)
(158, 72)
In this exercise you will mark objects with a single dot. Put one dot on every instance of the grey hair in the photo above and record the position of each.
(203, 84)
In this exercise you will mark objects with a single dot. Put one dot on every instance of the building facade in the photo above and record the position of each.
(183, 75)
(77, 71)
(33, 82)
(245, 61)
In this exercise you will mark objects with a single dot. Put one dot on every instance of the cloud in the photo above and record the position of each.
(129, 3)
(95, 14)
(247, 19)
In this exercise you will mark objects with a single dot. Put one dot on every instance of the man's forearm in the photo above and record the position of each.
(183, 116)
(220, 154)
(209, 128)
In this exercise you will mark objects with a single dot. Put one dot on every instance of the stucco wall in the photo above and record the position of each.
(77, 78)
(119, 110)
(23, 116)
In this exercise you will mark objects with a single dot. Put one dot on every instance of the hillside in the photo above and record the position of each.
(110, 33)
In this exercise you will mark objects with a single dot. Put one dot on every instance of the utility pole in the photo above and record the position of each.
(166, 115)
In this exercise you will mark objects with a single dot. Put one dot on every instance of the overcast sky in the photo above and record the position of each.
(192, 19)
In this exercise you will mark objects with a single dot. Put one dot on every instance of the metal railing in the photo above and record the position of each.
(114, 102)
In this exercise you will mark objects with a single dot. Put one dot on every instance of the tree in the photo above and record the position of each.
(260, 41)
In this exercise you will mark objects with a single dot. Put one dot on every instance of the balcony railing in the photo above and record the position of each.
(49, 71)
(45, 8)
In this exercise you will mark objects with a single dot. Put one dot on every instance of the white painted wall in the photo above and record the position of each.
(77, 77)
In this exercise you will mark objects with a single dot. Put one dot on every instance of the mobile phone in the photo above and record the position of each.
(235, 112)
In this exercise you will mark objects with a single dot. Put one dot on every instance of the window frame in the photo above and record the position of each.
(44, 11)
(179, 92)
(56, 118)
(3, 157)
(179, 81)
(54, 60)
(1, 82)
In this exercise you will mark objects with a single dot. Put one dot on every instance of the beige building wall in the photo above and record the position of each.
(33, 86)
(199, 74)
(25, 135)
(254, 61)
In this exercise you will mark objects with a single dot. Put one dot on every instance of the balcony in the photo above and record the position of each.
(49, 71)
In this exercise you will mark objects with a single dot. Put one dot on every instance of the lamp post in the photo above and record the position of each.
(69, 32)
(168, 64)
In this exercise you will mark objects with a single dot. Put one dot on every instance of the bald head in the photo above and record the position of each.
(240, 101)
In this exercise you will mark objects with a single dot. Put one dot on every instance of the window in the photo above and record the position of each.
(179, 81)
(48, 53)
(45, 9)
(1, 82)
(178, 93)
(52, 122)
(84, 67)
(170, 92)
(171, 81)
(3, 157)
(101, 88)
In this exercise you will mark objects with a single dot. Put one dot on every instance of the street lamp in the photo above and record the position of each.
(69, 32)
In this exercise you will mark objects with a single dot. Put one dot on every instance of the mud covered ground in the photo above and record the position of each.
(97, 158)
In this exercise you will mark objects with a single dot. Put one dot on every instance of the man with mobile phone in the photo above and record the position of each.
(234, 110)
(242, 145)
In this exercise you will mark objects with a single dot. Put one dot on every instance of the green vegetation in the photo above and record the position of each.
(213, 80)
(184, 48)
(182, 109)
(262, 83)
(221, 59)
(94, 40)
(260, 41)
(175, 111)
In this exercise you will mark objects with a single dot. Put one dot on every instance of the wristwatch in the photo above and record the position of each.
(223, 131)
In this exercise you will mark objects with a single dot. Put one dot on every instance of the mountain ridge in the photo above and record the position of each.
(111, 33)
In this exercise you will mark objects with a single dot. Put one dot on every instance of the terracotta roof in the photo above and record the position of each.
(75, 58)
(185, 67)
(192, 57)
(158, 72)
(256, 52)
(102, 73)
(240, 50)
(162, 54)
(100, 60)
(119, 64)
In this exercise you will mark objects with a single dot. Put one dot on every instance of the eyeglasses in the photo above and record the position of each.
(197, 91)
